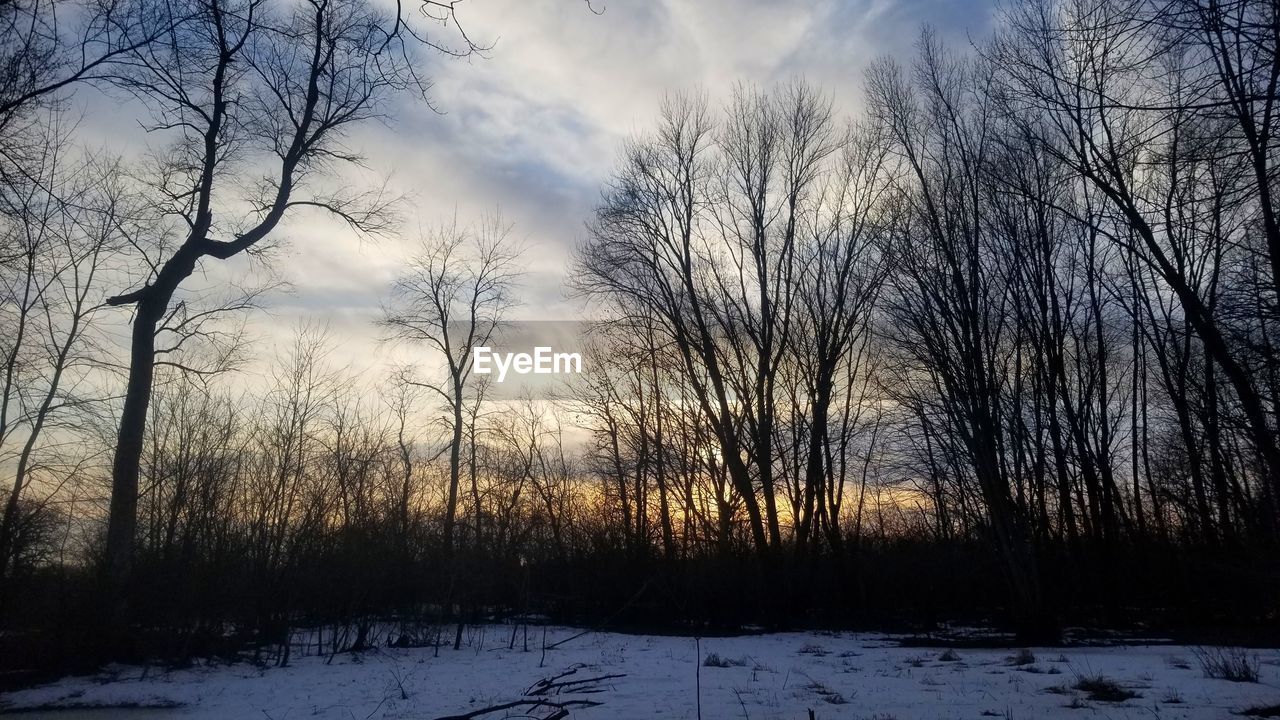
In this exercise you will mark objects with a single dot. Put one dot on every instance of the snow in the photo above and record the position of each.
(758, 677)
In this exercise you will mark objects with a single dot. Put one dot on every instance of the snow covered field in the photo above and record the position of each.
(755, 677)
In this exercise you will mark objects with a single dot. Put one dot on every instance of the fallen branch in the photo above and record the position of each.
(546, 686)
(545, 689)
(533, 689)
(561, 708)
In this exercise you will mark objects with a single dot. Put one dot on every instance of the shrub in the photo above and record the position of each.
(1103, 689)
(949, 656)
(1022, 657)
(715, 660)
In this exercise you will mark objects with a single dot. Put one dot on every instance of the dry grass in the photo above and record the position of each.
(1234, 664)
(1100, 688)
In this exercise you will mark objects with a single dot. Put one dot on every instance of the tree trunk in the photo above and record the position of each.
(123, 517)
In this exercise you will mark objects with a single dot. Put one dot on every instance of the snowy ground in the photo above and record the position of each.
(764, 676)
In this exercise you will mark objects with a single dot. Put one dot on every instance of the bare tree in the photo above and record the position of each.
(452, 299)
(67, 226)
(698, 236)
(1150, 123)
(255, 99)
(946, 306)
(840, 277)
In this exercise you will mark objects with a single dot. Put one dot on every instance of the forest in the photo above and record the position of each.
(1001, 346)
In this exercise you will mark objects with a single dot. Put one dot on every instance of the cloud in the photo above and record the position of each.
(533, 128)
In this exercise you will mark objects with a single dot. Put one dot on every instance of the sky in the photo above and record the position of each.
(531, 129)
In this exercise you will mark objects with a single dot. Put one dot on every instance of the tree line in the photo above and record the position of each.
(1029, 287)
(999, 345)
